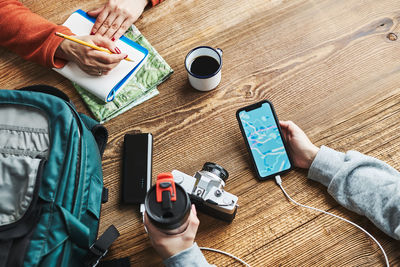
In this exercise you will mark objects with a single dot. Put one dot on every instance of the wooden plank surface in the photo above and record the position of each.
(327, 65)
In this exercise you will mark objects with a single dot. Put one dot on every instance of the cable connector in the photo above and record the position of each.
(142, 209)
(278, 180)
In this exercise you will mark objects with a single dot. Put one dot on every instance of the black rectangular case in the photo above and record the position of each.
(137, 167)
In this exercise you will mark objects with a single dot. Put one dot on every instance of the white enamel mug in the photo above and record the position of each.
(209, 82)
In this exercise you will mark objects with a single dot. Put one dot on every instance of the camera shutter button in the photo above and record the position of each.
(227, 201)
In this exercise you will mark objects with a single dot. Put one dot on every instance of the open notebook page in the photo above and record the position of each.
(104, 87)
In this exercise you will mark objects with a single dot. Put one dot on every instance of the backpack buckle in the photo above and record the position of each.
(96, 255)
(100, 248)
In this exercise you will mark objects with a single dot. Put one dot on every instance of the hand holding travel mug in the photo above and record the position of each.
(170, 223)
(168, 205)
(204, 65)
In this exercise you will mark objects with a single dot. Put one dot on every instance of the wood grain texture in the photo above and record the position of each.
(327, 65)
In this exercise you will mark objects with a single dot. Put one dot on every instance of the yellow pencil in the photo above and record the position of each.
(76, 40)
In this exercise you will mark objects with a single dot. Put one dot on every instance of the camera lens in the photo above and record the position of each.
(216, 169)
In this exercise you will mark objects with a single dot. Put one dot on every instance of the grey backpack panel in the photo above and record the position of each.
(24, 143)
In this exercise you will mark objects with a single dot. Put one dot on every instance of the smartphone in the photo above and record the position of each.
(263, 137)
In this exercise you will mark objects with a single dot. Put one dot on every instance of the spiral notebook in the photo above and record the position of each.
(104, 87)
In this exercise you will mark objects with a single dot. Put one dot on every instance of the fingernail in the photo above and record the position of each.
(113, 39)
(118, 51)
(92, 33)
(126, 56)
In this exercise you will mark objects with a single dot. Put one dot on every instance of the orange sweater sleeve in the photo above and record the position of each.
(29, 35)
(155, 2)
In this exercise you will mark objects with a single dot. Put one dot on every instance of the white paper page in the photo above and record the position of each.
(100, 86)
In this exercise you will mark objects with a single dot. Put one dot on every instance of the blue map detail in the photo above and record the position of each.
(264, 140)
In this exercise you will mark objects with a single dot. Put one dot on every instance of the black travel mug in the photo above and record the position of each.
(168, 205)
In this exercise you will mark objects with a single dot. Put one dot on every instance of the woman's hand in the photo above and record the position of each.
(115, 17)
(301, 149)
(91, 61)
(169, 245)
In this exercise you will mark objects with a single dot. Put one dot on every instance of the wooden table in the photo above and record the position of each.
(330, 66)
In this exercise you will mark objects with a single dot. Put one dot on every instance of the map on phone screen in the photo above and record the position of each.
(264, 140)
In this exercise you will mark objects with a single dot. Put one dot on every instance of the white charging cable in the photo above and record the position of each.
(227, 254)
(279, 182)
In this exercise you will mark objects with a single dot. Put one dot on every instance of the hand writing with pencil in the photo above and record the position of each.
(92, 61)
(115, 17)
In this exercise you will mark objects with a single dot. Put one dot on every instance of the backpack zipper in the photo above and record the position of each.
(77, 174)
(78, 167)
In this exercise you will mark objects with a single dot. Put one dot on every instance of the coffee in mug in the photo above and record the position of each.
(203, 65)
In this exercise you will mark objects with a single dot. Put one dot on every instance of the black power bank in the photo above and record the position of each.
(137, 167)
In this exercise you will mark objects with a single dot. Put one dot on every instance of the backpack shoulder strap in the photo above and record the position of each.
(99, 132)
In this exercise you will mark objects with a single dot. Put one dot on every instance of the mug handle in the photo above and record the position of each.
(219, 51)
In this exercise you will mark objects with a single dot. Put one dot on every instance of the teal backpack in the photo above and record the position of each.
(51, 181)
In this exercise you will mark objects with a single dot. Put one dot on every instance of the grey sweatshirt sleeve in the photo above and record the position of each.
(188, 257)
(362, 184)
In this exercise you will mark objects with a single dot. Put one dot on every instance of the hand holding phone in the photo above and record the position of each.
(263, 137)
(302, 150)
